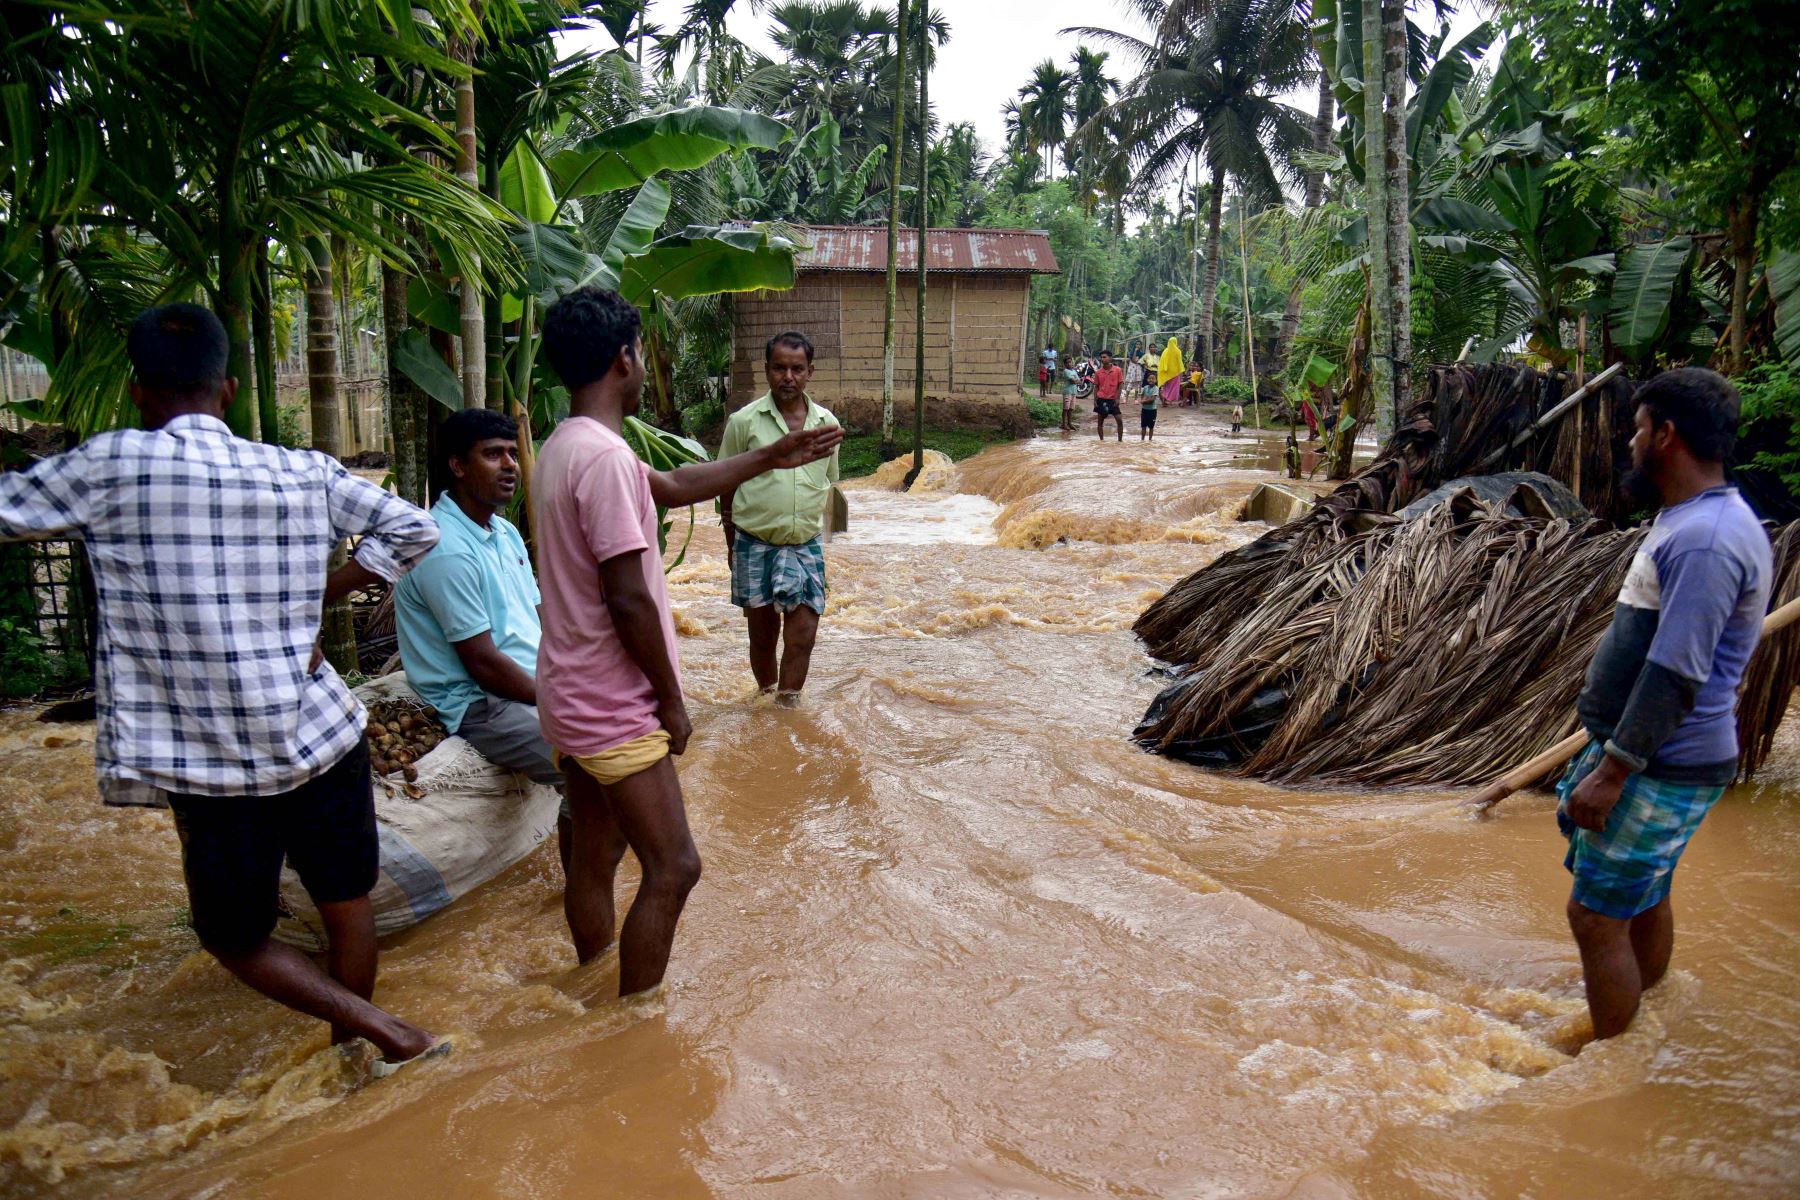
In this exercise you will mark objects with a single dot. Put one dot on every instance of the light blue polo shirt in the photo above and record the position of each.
(474, 581)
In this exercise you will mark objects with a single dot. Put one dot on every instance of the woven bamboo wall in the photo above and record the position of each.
(974, 335)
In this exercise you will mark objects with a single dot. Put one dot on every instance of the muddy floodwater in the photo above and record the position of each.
(956, 938)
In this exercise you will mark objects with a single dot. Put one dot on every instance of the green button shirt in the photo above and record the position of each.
(786, 508)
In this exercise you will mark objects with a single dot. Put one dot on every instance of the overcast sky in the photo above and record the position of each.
(993, 46)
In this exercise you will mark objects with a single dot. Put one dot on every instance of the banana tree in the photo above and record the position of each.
(813, 182)
(546, 186)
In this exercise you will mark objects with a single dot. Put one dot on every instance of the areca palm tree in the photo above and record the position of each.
(1043, 111)
(266, 96)
(1091, 91)
(832, 51)
(1206, 91)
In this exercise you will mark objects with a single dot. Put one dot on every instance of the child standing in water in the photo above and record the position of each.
(1147, 416)
(1071, 386)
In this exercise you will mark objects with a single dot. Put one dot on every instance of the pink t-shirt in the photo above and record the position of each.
(592, 503)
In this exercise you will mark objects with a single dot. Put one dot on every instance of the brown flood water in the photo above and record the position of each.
(956, 938)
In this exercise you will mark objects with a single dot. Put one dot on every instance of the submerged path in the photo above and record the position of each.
(956, 937)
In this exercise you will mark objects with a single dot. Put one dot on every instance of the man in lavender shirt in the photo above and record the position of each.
(1661, 695)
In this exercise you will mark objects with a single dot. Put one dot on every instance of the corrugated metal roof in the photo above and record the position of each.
(864, 248)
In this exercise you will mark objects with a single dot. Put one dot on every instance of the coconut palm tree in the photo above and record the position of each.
(1206, 90)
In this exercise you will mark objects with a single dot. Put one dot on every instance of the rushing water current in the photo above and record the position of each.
(956, 937)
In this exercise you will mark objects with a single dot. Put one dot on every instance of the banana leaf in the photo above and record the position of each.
(1784, 286)
(422, 364)
(525, 186)
(1642, 289)
(704, 260)
(634, 233)
(680, 140)
(664, 451)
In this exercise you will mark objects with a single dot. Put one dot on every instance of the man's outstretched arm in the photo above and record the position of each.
(703, 481)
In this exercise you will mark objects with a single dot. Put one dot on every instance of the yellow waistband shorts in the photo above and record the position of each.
(623, 761)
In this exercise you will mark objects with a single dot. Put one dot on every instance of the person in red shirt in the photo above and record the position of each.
(1107, 382)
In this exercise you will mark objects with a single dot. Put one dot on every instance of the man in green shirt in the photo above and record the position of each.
(773, 522)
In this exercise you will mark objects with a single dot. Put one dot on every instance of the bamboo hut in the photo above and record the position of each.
(977, 305)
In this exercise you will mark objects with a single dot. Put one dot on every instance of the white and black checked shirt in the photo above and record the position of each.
(209, 555)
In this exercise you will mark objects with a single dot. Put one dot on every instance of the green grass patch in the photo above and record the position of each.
(72, 935)
(861, 453)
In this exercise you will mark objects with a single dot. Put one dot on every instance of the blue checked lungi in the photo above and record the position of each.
(1627, 869)
(763, 573)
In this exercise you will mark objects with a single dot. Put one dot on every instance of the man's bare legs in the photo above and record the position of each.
(350, 951)
(781, 647)
(595, 848)
(286, 976)
(1619, 959)
(1653, 941)
(765, 645)
(799, 630)
(646, 811)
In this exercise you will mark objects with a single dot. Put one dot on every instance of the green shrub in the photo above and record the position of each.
(290, 430)
(1043, 412)
(1771, 399)
(26, 667)
(1227, 390)
(701, 420)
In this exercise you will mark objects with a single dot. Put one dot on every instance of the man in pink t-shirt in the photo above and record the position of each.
(609, 685)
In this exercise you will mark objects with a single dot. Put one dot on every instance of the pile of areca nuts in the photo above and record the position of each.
(400, 734)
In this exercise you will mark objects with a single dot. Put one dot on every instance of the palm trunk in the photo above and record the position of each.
(262, 333)
(1194, 270)
(1321, 138)
(1381, 386)
(322, 387)
(405, 400)
(236, 279)
(921, 203)
(1351, 401)
(351, 433)
(474, 331)
(1398, 225)
(1315, 195)
(1741, 215)
(496, 336)
(1209, 287)
(893, 238)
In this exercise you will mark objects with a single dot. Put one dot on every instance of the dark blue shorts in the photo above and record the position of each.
(1106, 408)
(232, 848)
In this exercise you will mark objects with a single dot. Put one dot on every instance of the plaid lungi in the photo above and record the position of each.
(763, 573)
(1627, 868)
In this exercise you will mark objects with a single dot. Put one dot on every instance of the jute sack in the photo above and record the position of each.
(459, 824)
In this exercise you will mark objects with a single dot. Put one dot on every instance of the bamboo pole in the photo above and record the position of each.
(1249, 329)
(922, 202)
(893, 236)
(1566, 749)
(1550, 418)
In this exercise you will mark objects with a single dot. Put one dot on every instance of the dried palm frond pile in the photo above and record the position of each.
(1468, 413)
(1350, 646)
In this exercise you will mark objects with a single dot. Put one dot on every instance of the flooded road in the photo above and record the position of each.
(956, 938)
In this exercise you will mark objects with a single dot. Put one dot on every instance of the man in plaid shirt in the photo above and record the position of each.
(210, 560)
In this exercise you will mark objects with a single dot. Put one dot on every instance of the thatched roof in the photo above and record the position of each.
(1350, 646)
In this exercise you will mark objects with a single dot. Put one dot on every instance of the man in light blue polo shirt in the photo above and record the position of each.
(467, 615)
